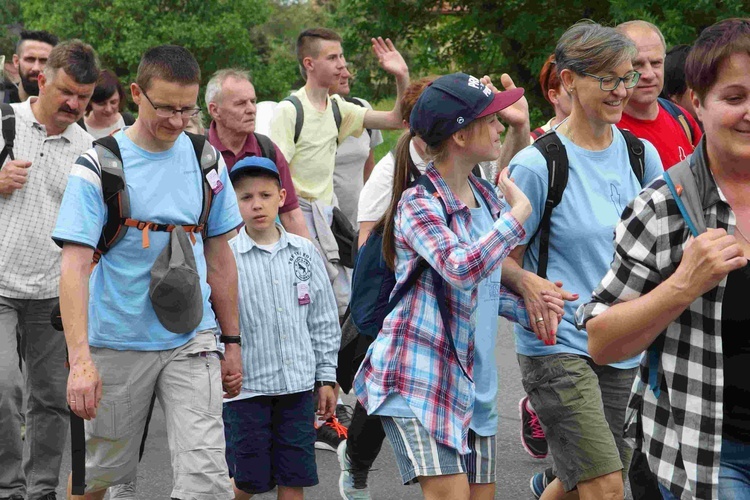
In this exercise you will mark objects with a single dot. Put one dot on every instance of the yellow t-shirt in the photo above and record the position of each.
(313, 158)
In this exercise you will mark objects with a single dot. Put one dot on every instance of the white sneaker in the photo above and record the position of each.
(352, 483)
(122, 491)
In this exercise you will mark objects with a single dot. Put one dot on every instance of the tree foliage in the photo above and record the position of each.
(513, 36)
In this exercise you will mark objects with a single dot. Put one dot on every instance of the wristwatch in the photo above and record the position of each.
(321, 383)
(230, 339)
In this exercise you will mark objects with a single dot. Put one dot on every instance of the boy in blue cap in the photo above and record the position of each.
(290, 334)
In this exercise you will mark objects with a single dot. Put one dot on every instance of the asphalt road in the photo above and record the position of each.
(514, 465)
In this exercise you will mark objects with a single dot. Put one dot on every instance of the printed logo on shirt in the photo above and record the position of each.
(681, 152)
(302, 265)
(614, 196)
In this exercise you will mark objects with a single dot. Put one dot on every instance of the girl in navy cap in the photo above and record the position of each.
(434, 390)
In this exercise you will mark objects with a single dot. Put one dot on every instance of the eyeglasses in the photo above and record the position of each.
(610, 83)
(169, 111)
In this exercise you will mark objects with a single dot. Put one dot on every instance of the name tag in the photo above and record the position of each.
(213, 180)
(303, 293)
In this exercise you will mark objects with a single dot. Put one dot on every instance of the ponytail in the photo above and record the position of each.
(405, 172)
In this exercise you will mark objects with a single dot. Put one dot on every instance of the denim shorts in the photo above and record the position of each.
(734, 473)
(271, 441)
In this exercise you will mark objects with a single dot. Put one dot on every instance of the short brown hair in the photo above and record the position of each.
(170, 63)
(548, 77)
(77, 58)
(106, 86)
(588, 47)
(411, 94)
(308, 44)
(714, 46)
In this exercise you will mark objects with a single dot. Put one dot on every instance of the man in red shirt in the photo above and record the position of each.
(230, 99)
(671, 129)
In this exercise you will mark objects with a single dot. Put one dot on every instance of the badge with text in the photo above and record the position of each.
(303, 293)
(213, 180)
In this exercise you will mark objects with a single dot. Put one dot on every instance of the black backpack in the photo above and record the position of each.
(115, 193)
(300, 119)
(557, 170)
(9, 132)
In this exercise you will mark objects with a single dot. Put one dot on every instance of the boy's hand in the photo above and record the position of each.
(326, 402)
(515, 115)
(389, 58)
(231, 370)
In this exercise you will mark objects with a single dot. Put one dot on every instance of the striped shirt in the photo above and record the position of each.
(29, 259)
(412, 355)
(682, 418)
(286, 345)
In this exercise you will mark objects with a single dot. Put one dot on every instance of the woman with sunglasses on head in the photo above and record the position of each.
(581, 406)
(429, 373)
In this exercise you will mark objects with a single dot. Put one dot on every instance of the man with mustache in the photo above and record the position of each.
(32, 181)
(231, 102)
(672, 130)
(32, 52)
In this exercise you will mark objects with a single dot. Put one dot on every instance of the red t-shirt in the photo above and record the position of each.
(252, 148)
(666, 134)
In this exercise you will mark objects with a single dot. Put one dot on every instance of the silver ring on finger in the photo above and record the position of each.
(539, 320)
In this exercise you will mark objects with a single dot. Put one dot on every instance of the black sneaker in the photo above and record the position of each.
(330, 435)
(344, 413)
(532, 435)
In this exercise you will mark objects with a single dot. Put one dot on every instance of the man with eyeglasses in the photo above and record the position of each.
(672, 130)
(123, 349)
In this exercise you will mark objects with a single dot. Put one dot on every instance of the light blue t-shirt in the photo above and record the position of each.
(164, 187)
(485, 417)
(600, 185)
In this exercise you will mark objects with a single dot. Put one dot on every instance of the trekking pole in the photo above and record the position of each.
(77, 434)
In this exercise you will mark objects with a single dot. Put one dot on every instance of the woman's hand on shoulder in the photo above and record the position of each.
(520, 205)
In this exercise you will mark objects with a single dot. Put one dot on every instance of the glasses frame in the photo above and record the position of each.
(185, 113)
(618, 79)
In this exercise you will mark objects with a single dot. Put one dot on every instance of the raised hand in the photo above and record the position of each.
(515, 115)
(389, 58)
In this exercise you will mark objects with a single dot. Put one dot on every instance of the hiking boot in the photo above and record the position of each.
(540, 481)
(532, 435)
(330, 435)
(344, 413)
(122, 491)
(352, 482)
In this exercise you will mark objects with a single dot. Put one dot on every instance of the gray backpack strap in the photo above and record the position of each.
(689, 201)
(336, 114)
(300, 115)
(9, 132)
(114, 192)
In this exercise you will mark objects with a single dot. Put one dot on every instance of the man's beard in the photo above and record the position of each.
(31, 87)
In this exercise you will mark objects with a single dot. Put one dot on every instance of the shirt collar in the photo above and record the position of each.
(24, 111)
(245, 243)
(213, 137)
(453, 204)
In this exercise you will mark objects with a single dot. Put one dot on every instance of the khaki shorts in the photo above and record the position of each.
(187, 381)
(581, 407)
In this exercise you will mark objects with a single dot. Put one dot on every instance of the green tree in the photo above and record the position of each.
(492, 37)
(217, 32)
(10, 15)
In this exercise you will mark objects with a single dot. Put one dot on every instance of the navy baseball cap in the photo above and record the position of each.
(452, 102)
(254, 163)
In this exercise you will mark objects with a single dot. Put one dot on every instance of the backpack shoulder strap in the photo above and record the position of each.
(358, 102)
(209, 161)
(537, 133)
(8, 130)
(114, 193)
(267, 147)
(299, 121)
(557, 179)
(636, 154)
(676, 113)
(336, 113)
(689, 198)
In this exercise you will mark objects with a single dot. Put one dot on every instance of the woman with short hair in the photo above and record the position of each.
(684, 298)
(580, 405)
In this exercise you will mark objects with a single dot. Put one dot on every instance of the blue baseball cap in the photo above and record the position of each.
(452, 102)
(254, 163)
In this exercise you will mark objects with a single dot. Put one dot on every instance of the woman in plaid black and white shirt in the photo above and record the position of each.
(687, 297)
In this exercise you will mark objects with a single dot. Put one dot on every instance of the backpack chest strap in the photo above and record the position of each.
(145, 227)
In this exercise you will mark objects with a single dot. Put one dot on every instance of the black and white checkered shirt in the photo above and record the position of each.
(29, 259)
(682, 420)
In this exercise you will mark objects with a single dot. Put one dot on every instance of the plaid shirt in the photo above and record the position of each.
(412, 355)
(682, 422)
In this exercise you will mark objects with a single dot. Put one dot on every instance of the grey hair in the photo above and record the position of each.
(623, 28)
(588, 47)
(213, 88)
